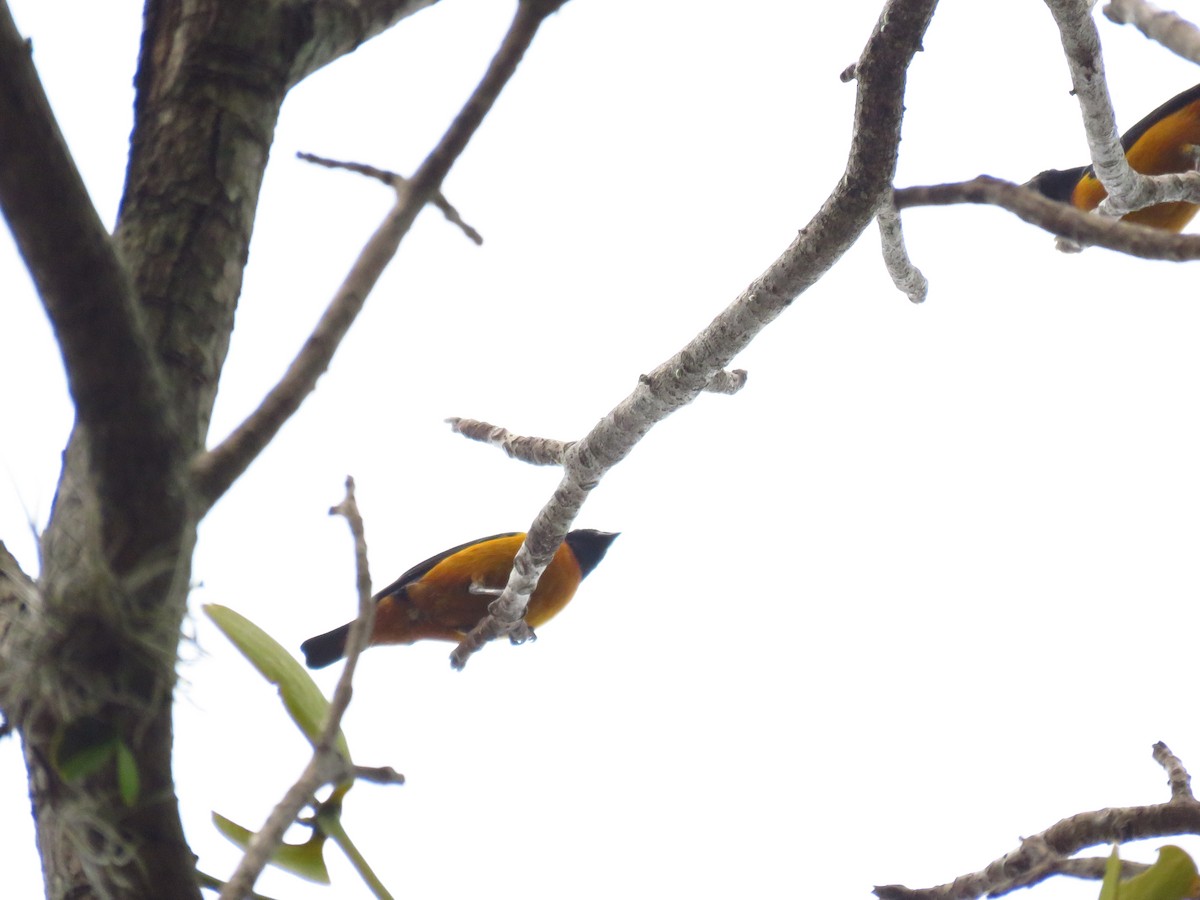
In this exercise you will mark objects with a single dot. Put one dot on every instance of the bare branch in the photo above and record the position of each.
(1170, 29)
(213, 472)
(905, 275)
(1058, 218)
(864, 187)
(1177, 775)
(326, 765)
(1048, 853)
(118, 391)
(400, 184)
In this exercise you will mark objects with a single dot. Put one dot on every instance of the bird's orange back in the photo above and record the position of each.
(1164, 141)
(442, 605)
(445, 596)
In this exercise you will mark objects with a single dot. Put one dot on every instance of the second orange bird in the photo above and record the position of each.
(447, 595)
(1164, 141)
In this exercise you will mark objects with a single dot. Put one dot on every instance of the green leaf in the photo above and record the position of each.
(329, 820)
(1172, 877)
(304, 701)
(1112, 876)
(306, 860)
(128, 781)
(83, 747)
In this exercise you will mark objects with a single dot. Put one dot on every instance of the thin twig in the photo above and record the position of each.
(326, 766)
(1170, 29)
(213, 472)
(399, 183)
(1058, 218)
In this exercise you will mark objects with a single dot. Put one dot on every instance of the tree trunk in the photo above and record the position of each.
(144, 320)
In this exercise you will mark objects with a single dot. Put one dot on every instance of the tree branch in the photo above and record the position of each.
(1170, 29)
(1047, 853)
(1058, 218)
(1081, 44)
(866, 184)
(117, 389)
(214, 471)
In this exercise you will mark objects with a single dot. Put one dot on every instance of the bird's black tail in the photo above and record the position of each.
(325, 649)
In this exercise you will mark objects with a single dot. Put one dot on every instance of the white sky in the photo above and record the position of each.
(926, 585)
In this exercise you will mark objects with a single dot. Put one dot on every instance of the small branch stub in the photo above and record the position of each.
(1177, 775)
(727, 381)
(533, 450)
(905, 275)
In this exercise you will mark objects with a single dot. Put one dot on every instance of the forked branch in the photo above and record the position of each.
(1049, 852)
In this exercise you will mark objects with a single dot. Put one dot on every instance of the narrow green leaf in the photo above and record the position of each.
(330, 822)
(128, 780)
(1112, 876)
(306, 860)
(303, 699)
(83, 747)
(1172, 877)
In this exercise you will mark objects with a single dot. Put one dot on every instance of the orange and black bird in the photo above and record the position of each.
(444, 597)
(1165, 141)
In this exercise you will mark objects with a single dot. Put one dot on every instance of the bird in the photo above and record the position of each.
(445, 596)
(1167, 140)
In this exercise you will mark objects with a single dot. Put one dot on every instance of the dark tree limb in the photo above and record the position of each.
(117, 388)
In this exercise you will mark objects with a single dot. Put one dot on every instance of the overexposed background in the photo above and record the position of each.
(926, 585)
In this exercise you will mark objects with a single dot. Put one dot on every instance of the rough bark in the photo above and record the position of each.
(144, 320)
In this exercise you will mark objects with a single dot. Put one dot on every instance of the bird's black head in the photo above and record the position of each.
(1057, 184)
(589, 547)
